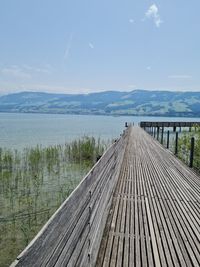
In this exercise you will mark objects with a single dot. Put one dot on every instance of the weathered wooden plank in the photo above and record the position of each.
(114, 251)
(137, 236)
(141, 219)
(127, 234)
(119, 262)
(153, 237)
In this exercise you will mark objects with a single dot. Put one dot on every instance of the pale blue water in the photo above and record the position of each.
(22, 130)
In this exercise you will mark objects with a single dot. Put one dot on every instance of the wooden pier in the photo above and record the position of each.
(138, 206)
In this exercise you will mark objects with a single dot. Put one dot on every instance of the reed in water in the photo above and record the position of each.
(33, 184)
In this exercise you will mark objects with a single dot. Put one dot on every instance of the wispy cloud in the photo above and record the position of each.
(47, 69)
(11, 87)
(16, 72)
(148, 67)
(131, 86)
(68, 47)
(24, 72)
(153, 13)
(131, 21)
(91, 45)
(179, 76)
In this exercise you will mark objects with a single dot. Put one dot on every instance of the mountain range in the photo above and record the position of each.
(137, 102)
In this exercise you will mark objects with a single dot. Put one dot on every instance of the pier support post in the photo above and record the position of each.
(168, 139)
(154, 132)
(176, 144)
(162, 135)
(158, 130)
(191, 152)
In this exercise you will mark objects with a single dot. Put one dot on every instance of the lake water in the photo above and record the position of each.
(22, 130)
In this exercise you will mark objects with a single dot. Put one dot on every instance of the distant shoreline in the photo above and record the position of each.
(106, 114)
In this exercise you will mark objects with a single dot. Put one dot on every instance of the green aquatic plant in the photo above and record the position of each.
(33, 184)
(184, 146)
(87, 149)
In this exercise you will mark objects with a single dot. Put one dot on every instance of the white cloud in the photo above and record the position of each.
(131, 21)
(148, 67)
(153, 13)
(179, 76)
(91, 45)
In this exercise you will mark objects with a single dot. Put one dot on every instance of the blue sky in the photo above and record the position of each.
(77, 46)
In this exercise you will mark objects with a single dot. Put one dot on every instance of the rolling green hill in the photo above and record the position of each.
(138, 102)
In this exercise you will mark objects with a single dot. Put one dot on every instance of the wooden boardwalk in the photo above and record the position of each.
(138, 206)
(154, 219)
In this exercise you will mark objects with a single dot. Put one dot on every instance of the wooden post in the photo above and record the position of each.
(176, 144)
(162, 135)
(168, 139)
(191, 152)
(174, 128)
(126, 124)
(158, 130)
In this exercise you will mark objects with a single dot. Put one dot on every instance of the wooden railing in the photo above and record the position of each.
(170, 139)
(73, 234)
(144, 124)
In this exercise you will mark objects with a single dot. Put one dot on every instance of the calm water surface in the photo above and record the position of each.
(22, 130)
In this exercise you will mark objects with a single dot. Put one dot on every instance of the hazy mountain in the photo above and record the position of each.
(138, 102)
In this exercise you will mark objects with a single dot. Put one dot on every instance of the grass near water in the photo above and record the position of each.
(33, 184)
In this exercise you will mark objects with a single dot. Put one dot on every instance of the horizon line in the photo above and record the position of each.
(100, 91)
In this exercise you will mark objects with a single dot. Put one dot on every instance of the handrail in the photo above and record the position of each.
(144, 124)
